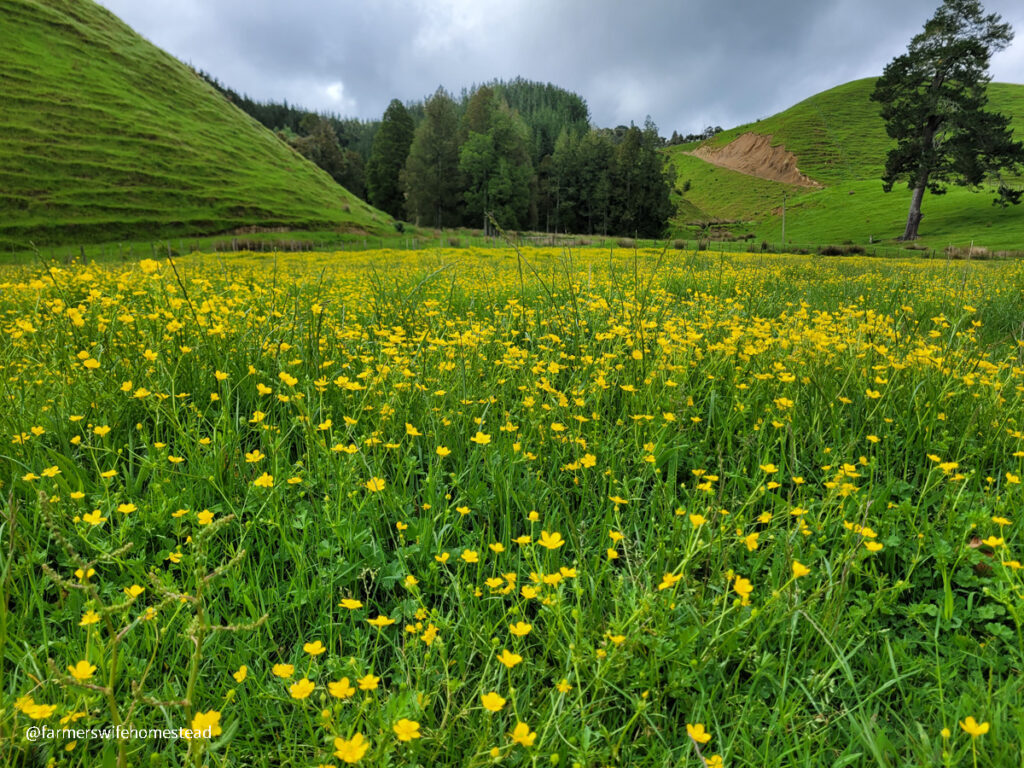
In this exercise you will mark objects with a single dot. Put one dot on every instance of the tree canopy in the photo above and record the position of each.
(522, 151)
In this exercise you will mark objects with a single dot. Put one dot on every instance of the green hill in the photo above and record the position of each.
(103, 136)
(839, 141)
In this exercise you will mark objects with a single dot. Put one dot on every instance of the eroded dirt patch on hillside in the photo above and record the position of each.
(753, 154)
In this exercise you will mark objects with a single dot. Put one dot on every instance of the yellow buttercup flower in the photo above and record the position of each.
(351, 750)
(368, 682)
(974, 728)
(83, 670)
(697, 733)
(669, 580)
(550, 540)
(480, 438)
(492, 702)
(314, 649)
(206, 724)
(743, 588)
(508, 658)
(522, 735)
(40, 711)
(520, 629)
(407, 730)
(341, 689)
(301, 689)
(94, 517)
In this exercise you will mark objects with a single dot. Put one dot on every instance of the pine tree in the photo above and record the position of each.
(496, 168)
(595, 159)
(387, 159)
(431, 176)
(933, 101)
(322, 147)
(561, 189)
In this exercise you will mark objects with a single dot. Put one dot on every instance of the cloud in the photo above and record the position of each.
(686, 63)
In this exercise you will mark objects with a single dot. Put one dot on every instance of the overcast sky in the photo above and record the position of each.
(686, 63)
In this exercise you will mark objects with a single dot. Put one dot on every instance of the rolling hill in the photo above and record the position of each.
(103, 136)
(839, 143)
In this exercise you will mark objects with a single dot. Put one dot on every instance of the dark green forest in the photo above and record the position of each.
(522, 151)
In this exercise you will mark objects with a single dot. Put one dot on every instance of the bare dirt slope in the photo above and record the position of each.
(753, 154)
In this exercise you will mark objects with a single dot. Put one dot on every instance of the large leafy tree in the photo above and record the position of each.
(933, 101)
(387, 159)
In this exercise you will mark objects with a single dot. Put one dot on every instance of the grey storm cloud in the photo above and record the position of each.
(686, 64)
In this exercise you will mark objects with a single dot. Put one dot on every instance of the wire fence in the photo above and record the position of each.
(461, 239)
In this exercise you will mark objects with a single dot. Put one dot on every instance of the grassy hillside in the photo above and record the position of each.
(103, 136)
(840, 141)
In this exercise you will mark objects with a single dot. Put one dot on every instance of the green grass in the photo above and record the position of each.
(608, 447)
(840, 141)
(104, 137)
(290, 241)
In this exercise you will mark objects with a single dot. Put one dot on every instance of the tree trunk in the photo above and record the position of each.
(914, 215)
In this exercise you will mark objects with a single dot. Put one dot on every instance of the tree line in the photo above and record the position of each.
(522, 151)
(693, 138)
(339, 145)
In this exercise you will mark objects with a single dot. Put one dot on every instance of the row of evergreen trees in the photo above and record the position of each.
(520, 150)
(536, 170)
(339, 145)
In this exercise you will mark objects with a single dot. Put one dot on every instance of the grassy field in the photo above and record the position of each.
(478, 507)
(840, 141)
(105, 138)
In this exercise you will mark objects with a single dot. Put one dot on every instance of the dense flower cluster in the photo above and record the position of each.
(605, 506)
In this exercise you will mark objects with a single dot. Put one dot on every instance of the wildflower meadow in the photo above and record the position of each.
(577, 507)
